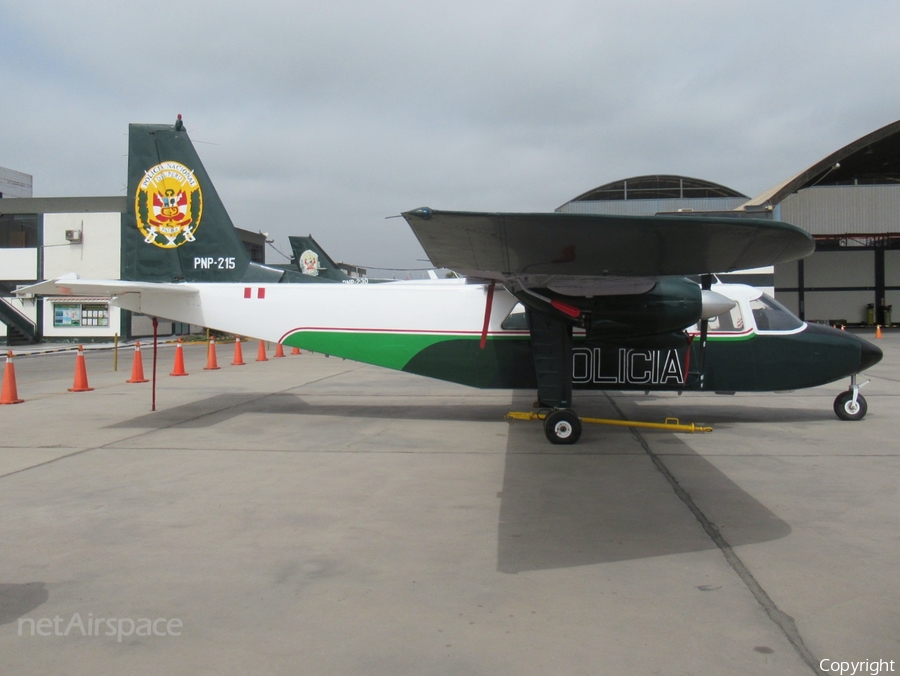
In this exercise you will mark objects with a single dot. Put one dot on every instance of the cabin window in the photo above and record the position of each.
(516, 320)
(770, 315)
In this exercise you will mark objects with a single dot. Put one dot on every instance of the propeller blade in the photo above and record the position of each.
(706, 285)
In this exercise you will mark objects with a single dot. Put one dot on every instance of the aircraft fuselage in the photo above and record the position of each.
(433, 328)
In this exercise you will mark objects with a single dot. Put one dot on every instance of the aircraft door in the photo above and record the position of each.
(731, 351)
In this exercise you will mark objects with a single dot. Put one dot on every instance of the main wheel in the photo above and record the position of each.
(845, 409)
(562, 427)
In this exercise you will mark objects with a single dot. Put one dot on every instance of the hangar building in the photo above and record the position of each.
(850, 202)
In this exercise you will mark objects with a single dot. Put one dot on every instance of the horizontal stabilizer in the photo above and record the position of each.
(72, 286)
(491, 245)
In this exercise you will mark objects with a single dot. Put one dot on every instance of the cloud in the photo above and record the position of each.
(327, 117)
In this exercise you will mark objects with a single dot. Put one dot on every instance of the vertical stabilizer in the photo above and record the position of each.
(311, 260)
(176, 227)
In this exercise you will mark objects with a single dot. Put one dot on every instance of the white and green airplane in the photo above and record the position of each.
(552, 302)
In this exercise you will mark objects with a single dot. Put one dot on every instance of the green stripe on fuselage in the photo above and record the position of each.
(395, 350)
(723, 338)
(381, 348)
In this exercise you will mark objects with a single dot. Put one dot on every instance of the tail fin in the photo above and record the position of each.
(176, 227)
(311, 259)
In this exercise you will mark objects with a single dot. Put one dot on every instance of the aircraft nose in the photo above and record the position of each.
(869, 355)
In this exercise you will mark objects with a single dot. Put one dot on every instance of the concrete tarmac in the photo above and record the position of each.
(317, 516)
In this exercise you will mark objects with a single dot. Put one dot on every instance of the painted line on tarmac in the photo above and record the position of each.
(48, 462)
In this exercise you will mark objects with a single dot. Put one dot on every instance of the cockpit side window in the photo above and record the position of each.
(770, 315)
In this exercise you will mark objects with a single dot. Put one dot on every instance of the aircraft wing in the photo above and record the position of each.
(491, 245)
(71, 285)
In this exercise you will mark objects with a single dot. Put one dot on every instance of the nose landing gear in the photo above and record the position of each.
(851, 405)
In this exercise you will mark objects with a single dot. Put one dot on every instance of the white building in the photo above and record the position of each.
(49, 237)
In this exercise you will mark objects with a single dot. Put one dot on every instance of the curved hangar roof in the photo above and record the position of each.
(657, 187)
(873, 159)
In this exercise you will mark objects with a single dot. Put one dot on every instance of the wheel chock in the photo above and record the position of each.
(671, 424)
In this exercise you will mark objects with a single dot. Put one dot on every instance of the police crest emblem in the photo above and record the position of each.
(309, 263)
(168, 205)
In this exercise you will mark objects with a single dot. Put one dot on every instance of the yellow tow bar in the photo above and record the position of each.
(671, 424)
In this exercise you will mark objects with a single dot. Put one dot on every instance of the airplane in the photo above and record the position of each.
(552, 302)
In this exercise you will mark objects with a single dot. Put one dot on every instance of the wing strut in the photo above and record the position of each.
(487, 314)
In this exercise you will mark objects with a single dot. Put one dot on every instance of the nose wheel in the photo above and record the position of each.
(562, 426)
(851, 405)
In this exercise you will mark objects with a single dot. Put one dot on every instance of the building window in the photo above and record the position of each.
(76, 315)
(18, 231)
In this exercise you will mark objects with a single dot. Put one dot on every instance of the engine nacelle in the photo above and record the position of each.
(672, 305)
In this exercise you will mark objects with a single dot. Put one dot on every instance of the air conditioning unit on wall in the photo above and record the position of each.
(73, 236)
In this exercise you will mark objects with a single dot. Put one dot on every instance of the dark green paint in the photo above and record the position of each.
(149, 145)
(761, 363)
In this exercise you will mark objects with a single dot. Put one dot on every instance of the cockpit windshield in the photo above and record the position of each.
(770, 315)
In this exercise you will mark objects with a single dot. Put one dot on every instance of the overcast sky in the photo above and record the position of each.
(326, 117)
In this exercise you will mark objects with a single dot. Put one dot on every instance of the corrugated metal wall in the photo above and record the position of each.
(836, 269)
(642, 207)
(839, 210)
(892, 278)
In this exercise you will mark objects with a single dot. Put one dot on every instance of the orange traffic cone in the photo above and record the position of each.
(238, 353)
(211, 363)
(9, 395)
(81, 381)
(137, 369)
(878, 331)
(261, 353)
(279, 350)
(295, 350)
(179, 361)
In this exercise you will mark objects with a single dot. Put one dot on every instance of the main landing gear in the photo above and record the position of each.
(562, 426)
(551, 348)
(851, 405)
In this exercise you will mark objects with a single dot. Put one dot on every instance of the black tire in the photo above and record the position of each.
(562, 427)
(845, 410)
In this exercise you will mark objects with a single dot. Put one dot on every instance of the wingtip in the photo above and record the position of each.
(423, 213)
